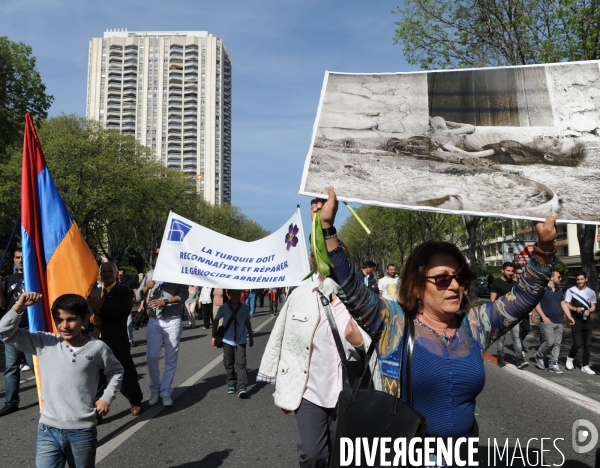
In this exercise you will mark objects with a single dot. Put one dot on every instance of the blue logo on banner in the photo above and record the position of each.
(178, 230)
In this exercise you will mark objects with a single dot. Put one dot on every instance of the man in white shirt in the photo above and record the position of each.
(579, 303)
(388, 285)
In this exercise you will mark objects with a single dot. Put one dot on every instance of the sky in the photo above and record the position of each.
(280, 51)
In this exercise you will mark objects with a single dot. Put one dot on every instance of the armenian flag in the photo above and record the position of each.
(56, 258)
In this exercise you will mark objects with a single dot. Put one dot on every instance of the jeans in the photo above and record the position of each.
(130, 327)
(159, 332)
(234, 360)
(12, 373)
(582, 335)
(55, 447)
(251, 301)
(514, 334)
(553, 333)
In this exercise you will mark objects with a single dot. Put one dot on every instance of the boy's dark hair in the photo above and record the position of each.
(369, 264)
(72, 303)
(507, 264)
(581, 273)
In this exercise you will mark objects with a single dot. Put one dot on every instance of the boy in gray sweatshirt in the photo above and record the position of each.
(69, 367)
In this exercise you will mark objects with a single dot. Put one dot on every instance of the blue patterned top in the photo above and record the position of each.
(447, 377)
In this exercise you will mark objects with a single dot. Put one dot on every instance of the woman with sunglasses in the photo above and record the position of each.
(450, 337)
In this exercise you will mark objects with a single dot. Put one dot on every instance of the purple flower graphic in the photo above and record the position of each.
(290, 238)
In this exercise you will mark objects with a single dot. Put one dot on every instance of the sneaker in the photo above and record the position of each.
(587, 370)
(8, 409)
(539, 362)
(554, 368)
(153, 398)
(25, 367)
(243, 393)
(167, 401)
(569, 364)
(501, 362)
(231, 389)
(521, 364)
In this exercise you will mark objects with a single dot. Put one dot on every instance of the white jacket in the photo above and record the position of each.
(287, 355)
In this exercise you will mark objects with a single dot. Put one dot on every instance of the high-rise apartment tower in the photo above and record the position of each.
(171, 90)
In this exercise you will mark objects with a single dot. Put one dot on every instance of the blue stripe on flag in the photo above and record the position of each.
(54, 217)
(35, 312)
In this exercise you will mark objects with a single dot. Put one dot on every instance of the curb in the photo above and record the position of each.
(574, 397)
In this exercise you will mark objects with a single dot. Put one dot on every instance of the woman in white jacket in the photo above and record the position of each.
(302, 360)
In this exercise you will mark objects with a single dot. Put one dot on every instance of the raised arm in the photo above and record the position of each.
(364, 304)
(19, 338)
(491, 320)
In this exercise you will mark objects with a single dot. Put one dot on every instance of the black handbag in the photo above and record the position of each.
(220, 333)
(373, 414)
(351, 370)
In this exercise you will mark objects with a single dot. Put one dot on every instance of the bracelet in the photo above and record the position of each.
(166, 302)
(543, 253)
(329, 233)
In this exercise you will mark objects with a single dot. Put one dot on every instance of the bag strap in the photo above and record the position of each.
(336, 336)
(232, 316)
(358, 382)
(408, 342)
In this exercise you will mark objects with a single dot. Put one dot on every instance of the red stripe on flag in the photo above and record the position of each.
(33, 163)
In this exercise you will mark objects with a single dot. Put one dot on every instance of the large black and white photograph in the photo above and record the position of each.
(520, 142)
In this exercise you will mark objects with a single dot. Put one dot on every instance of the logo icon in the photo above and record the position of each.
(584, 431)
(178, 230)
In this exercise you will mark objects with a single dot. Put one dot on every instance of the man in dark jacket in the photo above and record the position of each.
(111, 306)
(367, 277)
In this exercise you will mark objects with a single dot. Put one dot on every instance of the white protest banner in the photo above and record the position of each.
(516, 142)
(193, 254)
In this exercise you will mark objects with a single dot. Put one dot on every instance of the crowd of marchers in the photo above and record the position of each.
(322, 327)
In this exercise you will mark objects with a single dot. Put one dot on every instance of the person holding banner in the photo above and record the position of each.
(165, 309)
(450, 338)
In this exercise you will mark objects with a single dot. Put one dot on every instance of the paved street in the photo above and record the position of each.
(206, 427)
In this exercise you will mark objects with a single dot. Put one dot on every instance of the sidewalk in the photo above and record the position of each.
(575, 380)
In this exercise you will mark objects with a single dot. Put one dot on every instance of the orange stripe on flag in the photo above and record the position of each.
(72, 269)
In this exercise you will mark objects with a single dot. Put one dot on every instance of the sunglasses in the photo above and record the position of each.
(443, 281)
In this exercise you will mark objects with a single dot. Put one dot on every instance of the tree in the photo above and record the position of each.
(21, 91)
(474, 33)
(478, 33)
(116, 192)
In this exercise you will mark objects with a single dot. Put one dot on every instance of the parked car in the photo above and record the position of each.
(482, 287)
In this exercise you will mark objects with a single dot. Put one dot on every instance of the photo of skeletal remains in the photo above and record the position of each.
(519, 142)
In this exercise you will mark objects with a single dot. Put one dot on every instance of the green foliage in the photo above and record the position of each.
(476, 33)
(318, 248)
(394, 233)
(118, 195)
(21, 91)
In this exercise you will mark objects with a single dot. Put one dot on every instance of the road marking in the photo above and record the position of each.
(108, 447)
(571, 395)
